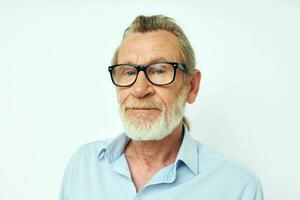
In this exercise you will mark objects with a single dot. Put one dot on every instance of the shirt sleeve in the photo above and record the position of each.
(67, 181)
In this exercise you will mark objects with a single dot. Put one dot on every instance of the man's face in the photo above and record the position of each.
(143, 104)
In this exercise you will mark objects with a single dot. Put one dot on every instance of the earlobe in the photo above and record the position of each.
(194, 86)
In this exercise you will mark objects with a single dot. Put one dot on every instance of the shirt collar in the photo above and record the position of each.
(188, 151)
(114, 149)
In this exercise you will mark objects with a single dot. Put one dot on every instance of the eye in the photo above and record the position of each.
(125, 71)
(157, 69)
(129, 72)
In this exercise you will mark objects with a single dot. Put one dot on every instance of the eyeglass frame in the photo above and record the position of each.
(143, 68)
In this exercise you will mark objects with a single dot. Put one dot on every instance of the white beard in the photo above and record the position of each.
(141, 128)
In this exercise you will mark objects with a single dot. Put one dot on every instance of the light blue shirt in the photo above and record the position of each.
(99, 171)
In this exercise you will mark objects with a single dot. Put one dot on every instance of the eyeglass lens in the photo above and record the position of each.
(159, 73)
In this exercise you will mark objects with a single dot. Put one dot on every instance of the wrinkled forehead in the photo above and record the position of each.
(144, 48)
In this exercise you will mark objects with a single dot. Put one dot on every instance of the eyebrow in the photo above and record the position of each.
(157, 59)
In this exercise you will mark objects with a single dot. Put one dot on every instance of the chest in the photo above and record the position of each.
(140, 176)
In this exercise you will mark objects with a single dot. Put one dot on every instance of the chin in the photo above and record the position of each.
(143, 129)
(147, 136)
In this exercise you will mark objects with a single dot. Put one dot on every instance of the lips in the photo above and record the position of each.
(139, 105)
(144, 108)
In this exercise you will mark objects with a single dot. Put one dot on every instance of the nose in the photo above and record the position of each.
(142, 87)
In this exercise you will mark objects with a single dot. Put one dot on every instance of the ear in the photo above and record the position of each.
(194, 84)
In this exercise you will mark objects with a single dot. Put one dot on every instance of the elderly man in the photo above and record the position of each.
(156, 157)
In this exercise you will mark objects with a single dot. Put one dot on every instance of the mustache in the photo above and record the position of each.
(139, 104)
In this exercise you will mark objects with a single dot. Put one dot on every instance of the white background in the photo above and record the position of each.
(56, 93)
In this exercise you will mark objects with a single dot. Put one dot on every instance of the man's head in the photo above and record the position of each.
(144, 24)
(153, 106)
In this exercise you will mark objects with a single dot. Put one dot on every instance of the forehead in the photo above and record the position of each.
(144, 48)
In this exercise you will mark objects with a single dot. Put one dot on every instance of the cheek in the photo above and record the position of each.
(122, 95)
(167, 98)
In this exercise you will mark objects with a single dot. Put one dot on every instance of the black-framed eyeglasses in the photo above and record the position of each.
(158, 73)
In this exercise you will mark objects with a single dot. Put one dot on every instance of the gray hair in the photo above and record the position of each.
(143, 24)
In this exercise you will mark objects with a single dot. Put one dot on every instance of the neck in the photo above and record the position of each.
(155, 154)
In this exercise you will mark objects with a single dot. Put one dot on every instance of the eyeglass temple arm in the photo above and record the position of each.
(183, 67)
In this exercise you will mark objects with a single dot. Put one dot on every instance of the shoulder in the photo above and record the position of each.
(91, 149)
(227, 174)
(81, 161)
(85, 157)
(223, 165)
